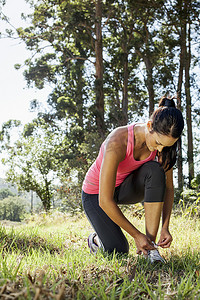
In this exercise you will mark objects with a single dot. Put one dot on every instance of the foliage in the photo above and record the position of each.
(141, 43)
(192, 206)
(12, 208)
(7, 131)
(63, 45)
(196, 182)
(44, 154)
(190, 200)
(4, 193)
(33, 160)
(142, 56)
(67, 197)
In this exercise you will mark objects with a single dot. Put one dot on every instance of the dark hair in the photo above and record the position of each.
(168, 120)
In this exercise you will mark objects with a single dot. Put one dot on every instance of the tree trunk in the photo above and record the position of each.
(149, 71)
(125, 85)
(188, 107)
(99, 71)
(80, 85)
(31, 202)
(179, 106)
(149, 83)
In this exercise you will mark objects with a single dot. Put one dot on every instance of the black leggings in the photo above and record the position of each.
(146, 183)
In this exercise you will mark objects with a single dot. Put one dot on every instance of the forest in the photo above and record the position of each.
(108, 63)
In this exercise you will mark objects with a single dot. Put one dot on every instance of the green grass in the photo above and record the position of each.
(48, 258)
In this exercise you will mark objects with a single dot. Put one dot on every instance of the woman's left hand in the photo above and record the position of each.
(165, 238)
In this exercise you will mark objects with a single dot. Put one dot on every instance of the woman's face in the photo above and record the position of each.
(157, 141)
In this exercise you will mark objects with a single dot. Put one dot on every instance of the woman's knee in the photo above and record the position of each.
(154, 182)
(123, 248)
(155, 173)
(117, 243)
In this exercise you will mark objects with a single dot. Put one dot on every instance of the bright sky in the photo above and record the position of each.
(15, 97)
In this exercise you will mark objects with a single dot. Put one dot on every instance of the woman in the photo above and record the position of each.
(134, 164)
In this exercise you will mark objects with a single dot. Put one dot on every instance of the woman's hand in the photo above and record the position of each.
(165, 238)
(143, 244)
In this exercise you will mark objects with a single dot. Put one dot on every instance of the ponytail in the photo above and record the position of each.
(168, 156)
(168, 120)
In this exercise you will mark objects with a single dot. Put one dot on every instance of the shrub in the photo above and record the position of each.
(12, 208)
(190, 200)
(4, 193)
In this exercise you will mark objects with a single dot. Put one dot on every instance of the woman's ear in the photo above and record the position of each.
(149, 126)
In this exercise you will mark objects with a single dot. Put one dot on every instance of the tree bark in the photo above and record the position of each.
(179, 106)
(149, 83)
(99, 70)
(125, 85)
(31, 202)
(149, 71)
(188, 107)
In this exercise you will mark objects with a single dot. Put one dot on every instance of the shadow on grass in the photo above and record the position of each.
(112, 277)
(179, 275)
(12, 241)
(135, 278)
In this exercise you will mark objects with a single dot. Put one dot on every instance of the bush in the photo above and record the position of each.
(12, 209)
(5, 193)
(68, 199)
(190, 202)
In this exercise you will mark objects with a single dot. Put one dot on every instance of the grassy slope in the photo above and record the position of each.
(49, 259)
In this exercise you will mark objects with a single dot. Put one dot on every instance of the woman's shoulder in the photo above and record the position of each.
(117, 141)
(118, 135)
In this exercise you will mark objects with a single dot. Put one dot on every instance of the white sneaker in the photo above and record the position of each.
(91, 244)
(154, 255)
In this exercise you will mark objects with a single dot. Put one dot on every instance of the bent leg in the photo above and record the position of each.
(152, 218)
(153, 198)
(109, 233)
(146, 183)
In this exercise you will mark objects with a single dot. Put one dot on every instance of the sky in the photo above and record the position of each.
(15, 97)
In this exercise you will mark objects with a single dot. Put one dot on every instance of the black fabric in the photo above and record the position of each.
(144, 184)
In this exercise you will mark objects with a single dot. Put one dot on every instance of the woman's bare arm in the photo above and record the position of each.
(169, 199)
(115, 151)
(165, 236)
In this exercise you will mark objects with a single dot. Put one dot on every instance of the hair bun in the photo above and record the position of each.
(166, 102)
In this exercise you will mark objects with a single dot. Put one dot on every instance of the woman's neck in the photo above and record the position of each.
(140, 136)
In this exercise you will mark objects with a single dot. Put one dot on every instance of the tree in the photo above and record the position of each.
(72, 32)
(179, 93)
(78, 31)
(106, 61)
(5, 193)
(99, 69)
(175, 36)
(6, 131)
(33, 160)
(148, 46)
(122, 85)
(183, 18)
(12, 208)
(187, 46)
(133, 44)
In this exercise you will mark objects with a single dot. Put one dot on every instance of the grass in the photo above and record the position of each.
(48, 258)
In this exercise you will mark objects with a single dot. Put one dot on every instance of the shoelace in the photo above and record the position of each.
(154, 255)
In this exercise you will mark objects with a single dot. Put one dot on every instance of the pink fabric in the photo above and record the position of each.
(129, 164)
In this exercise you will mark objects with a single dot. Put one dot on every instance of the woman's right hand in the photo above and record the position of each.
(143, 244)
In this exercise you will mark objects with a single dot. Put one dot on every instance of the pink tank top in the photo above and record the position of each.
(125, 167)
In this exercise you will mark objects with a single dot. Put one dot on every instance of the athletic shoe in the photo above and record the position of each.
(91, 244)
(154, 256)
